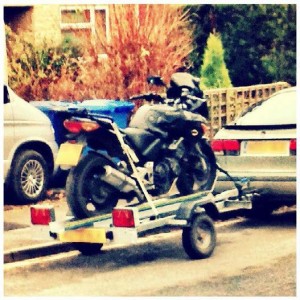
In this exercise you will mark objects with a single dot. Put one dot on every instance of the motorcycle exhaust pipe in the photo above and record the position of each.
(119, 180)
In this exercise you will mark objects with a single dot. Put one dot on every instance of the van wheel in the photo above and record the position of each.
(29, 176)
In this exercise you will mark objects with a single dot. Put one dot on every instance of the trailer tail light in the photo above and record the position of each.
(124, 217)
(42, 214)
(226, 147)
(293, 147)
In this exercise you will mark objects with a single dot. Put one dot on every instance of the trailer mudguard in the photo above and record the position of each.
(187, 210)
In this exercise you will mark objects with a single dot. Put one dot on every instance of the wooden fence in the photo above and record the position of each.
(226, 104)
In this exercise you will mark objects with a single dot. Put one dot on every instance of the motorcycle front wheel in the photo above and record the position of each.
(88, 195)
(199, 170)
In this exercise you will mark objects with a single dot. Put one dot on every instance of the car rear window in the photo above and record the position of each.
(279, 109)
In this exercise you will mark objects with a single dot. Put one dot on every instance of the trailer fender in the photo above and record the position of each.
(187, 210)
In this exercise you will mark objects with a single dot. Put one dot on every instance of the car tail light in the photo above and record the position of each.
(226, 147)
(123, 217)
(293, 147)
(42, 214)
(217, 145)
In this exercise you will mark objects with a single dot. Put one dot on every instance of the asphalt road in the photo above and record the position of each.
(252, 258)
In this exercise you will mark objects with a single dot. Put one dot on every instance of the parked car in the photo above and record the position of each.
(29, 149)
(261, 145)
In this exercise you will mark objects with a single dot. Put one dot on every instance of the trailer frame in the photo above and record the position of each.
(194, 214)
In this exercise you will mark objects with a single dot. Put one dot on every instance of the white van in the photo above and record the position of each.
(29, 149)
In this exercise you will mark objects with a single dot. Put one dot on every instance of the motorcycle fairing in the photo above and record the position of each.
(147, 144)
(150, 117)
(182, 80)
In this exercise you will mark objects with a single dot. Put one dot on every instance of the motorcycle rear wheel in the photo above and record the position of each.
(200, 171)
(87, 195)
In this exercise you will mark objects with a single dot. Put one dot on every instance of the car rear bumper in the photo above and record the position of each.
(269, 183)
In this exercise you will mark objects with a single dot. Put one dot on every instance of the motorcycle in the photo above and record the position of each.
(163, 148)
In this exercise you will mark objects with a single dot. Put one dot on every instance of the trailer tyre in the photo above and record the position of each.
(199, 240)
(88, 248)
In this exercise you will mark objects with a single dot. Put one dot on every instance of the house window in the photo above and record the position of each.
(87, 26)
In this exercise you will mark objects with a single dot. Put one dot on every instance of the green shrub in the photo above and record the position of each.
(214, 73)
(30, 71)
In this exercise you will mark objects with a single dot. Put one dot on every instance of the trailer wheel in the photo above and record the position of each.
(199, 240)
(88, 248)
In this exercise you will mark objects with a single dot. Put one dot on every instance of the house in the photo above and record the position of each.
(53, 24)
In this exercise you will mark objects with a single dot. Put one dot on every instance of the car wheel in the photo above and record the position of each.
(29, 176)
(261, 208)
(260, 212)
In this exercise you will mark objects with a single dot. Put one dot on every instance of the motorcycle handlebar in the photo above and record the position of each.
(157, 97)
(195, 98)
(147, 97)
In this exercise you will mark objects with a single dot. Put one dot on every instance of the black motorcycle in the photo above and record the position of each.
(162, 151)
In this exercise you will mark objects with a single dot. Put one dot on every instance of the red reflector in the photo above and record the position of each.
(41, 215)
(225, 145)
(293, 145)
(123, 217)
(73, 126)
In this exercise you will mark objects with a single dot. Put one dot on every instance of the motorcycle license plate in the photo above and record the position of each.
(69, 154)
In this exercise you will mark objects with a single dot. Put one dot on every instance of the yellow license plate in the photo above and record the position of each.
(69, 154)
(266, 148)
(84, 235)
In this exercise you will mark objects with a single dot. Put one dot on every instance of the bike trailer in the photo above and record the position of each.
(193, 213)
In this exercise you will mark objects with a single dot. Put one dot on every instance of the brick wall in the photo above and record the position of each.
(46, 24)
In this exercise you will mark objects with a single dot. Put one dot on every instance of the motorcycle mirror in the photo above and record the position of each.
(155, 80)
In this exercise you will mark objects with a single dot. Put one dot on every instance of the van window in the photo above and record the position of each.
(5, 95)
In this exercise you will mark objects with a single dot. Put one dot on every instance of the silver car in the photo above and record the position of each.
(29, 149)
(261, 145)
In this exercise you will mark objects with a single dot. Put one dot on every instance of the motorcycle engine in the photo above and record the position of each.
(167, 169)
